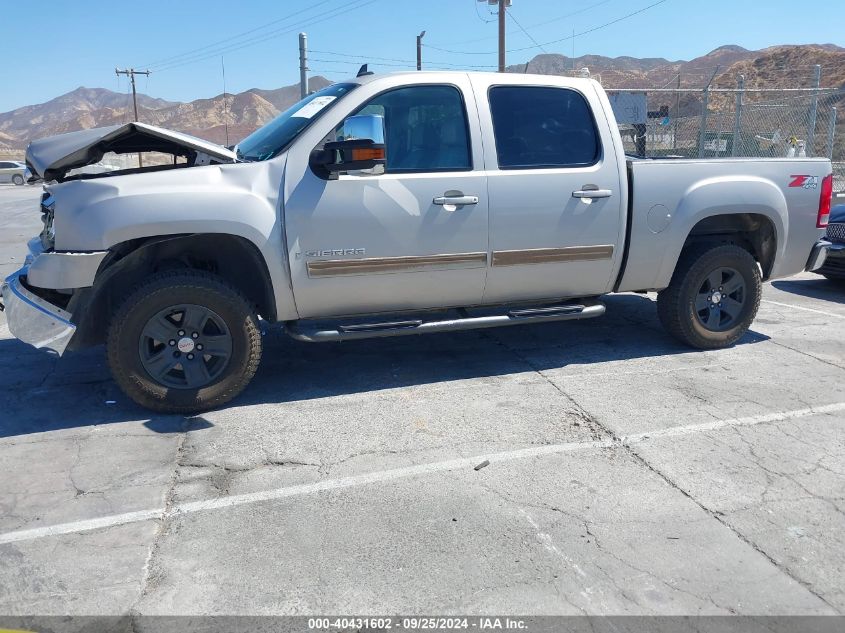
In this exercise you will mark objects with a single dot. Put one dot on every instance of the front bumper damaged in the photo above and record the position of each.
(32, 319)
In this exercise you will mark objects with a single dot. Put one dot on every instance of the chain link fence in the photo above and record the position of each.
(734, 122)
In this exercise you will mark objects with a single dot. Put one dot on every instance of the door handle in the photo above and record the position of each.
(455, 200)
(591, 192)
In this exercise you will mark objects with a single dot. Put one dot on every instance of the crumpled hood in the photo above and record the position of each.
(52, 157)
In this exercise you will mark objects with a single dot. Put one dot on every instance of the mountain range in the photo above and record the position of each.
(227, 120)
(213, 119)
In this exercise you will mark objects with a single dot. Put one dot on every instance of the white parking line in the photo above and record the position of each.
(402, 473)
(794, 307)
(751, 420)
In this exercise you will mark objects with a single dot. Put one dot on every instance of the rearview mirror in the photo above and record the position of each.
(361, 148)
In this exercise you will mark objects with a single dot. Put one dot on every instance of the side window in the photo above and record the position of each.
(543, 127)
(425, 129)
(6, 165)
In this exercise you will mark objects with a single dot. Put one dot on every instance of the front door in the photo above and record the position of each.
(412, 237)
(556, 199)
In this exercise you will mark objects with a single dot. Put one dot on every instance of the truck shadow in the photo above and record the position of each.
(47, 393)
(292, 371)
(42, 392)
(821, 288)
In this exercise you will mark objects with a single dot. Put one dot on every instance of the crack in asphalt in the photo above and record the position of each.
(151, 573)
(807, 354)
(616, 439)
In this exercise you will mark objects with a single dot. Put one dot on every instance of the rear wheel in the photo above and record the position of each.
(184, 342)
(17, 179)
(713, 296)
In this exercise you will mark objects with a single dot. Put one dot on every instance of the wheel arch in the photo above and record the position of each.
(745, 210)
(755, 232)
(233, 258)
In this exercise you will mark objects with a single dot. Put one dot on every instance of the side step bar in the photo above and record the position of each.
(403, 328)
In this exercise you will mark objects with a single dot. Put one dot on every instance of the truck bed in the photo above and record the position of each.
(668, 197)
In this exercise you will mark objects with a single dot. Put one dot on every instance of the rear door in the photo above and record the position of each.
(556, 202)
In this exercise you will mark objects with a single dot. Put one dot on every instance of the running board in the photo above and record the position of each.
(417, 326)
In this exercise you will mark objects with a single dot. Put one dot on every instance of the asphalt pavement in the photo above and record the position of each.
(627, 474)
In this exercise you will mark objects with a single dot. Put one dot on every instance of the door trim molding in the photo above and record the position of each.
(381, 265)
(552, 255)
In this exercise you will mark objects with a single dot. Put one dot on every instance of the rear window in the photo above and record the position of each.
(539, 127)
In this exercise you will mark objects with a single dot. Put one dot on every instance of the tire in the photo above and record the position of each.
(691, 309)
(170, 376)
(17, 179)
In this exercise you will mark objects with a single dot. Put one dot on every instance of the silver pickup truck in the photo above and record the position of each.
(392, 205)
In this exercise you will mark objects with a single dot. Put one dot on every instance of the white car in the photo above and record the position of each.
(13, 171)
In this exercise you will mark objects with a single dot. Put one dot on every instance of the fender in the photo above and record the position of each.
(238, 199)
(723, 195)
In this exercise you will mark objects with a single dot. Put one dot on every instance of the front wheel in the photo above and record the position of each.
(17, 179)
(713, 296)
(184, 342)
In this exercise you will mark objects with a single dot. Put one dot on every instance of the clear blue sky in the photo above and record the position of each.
(62, 45)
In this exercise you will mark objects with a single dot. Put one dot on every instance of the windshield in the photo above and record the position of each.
(267, 141)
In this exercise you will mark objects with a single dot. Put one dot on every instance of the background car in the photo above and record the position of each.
(13, 171)
(834, 265)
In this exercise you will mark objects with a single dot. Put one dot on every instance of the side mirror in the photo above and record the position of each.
(362, 147)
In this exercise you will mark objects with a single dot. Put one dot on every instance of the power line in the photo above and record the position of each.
(531, 26)
(521, 28)
(355, 63)
(377, 60)
(593, 30)
(266, 36)
(562, 39)
(406, 65)
(475, 3)
(364, 57)
(569, 15)
(172, 58)
(322, 71)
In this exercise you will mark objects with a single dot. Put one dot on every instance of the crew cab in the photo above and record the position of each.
(391, 205)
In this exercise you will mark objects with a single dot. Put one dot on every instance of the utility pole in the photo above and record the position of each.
(131, 72)
(303, 65)
(502, 5)
(677, 113)
(225, 103)
(814, 109)
(736, 142)
(419, 50)
(702, 133)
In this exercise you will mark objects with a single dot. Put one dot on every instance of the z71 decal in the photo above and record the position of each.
(806, 182)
